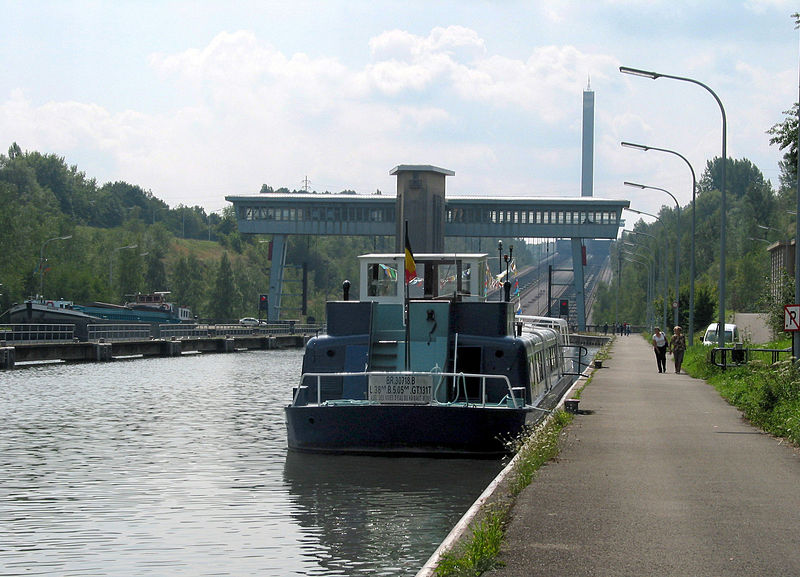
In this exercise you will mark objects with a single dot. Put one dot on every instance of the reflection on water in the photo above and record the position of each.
(381, 515)
(179, 466)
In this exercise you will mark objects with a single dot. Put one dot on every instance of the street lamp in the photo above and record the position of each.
(677, 247)
(651, 257)
(723, 209)
(663, 257)
(645, 148)
(42, 261)
(630, 258)
(111, 263)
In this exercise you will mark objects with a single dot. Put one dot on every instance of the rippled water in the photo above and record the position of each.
(179, 467)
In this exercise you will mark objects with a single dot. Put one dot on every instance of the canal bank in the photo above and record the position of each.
(32, 352)
(657, 475)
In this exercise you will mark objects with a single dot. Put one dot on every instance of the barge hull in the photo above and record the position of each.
(407, 429)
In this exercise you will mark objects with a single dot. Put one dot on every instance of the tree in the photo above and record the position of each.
(705, 304)
(784, 134)
(187, 283)
(741, 175)
(155, 276)
(224, 294)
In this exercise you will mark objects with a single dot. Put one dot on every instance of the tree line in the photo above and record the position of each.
(124, 240)
(758, 215)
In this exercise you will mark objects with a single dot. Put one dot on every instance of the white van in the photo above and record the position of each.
(731, 334)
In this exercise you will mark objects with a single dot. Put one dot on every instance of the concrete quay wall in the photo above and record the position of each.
(107, 351)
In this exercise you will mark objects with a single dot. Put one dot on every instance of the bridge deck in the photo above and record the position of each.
(375, 215)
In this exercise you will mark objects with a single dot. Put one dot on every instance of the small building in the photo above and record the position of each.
(781, 261)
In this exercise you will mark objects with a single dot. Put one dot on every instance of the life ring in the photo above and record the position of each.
(164, 307)
(50, 304)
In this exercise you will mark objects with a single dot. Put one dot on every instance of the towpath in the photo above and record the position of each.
(658, 475)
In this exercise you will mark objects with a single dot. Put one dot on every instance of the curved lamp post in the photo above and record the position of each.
(663, 257)
(42, 261)
(651, 258)
(630, 257)
(650, 261)
(723, 210)
(645, 148)
(677, 247)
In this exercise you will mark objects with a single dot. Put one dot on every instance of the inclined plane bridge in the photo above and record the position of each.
(431, 216)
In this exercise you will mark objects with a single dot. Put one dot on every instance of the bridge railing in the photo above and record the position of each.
(118, 332)
(183, 331)
(40, 333)
(57, 333)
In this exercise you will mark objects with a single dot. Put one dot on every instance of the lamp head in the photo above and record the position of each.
(636, 146)
(638, 72)
(635, 185)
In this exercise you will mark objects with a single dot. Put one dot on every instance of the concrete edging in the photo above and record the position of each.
(460, 528)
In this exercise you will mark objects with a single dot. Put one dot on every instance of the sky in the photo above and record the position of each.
(197, 100)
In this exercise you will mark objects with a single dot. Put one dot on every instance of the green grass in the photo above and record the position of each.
(479, 553)
(768, 394)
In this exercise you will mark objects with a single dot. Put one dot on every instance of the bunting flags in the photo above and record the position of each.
(411, 266)
(390, 272)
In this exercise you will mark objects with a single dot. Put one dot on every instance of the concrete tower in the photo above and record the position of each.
(587, 145)
(420, 201)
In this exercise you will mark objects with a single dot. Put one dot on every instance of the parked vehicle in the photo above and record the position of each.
(732, 335)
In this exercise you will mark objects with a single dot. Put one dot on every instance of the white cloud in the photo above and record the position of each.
(464, 89)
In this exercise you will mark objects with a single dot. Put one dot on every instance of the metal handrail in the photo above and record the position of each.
(38, 332)
(582, 351)
(320, 376)
(745, 355)
(118, 332)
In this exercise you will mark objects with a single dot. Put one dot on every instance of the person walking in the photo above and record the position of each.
(677, 347)
(660, 345)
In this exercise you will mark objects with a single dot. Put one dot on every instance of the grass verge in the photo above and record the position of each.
(767, 393)
(479, 553)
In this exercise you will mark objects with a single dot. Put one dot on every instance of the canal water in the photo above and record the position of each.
(178, 466)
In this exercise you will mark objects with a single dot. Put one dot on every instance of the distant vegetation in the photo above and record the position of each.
(758, 215)
(125, 240)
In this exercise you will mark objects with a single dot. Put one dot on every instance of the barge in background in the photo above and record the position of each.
(152, 309)
(428, 368)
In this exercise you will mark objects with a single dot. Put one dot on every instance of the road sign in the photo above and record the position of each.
(791, 318)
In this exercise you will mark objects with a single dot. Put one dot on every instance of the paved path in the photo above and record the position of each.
(661, 477)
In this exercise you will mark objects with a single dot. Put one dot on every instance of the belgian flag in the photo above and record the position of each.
(411, 266)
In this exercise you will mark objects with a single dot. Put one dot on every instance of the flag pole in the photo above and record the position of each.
(406, 314)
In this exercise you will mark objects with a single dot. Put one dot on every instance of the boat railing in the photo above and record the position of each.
(118, 332)
(406, 381)
(577, 356)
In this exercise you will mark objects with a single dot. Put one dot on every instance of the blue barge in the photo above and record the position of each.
(428, 368)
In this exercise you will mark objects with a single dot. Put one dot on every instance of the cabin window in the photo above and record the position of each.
(382, 280)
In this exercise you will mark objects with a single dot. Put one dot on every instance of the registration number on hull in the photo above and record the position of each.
(401, 389)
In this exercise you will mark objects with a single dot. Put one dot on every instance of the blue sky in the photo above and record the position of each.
(198, 100)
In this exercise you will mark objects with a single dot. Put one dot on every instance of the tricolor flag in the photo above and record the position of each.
(411, 266)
